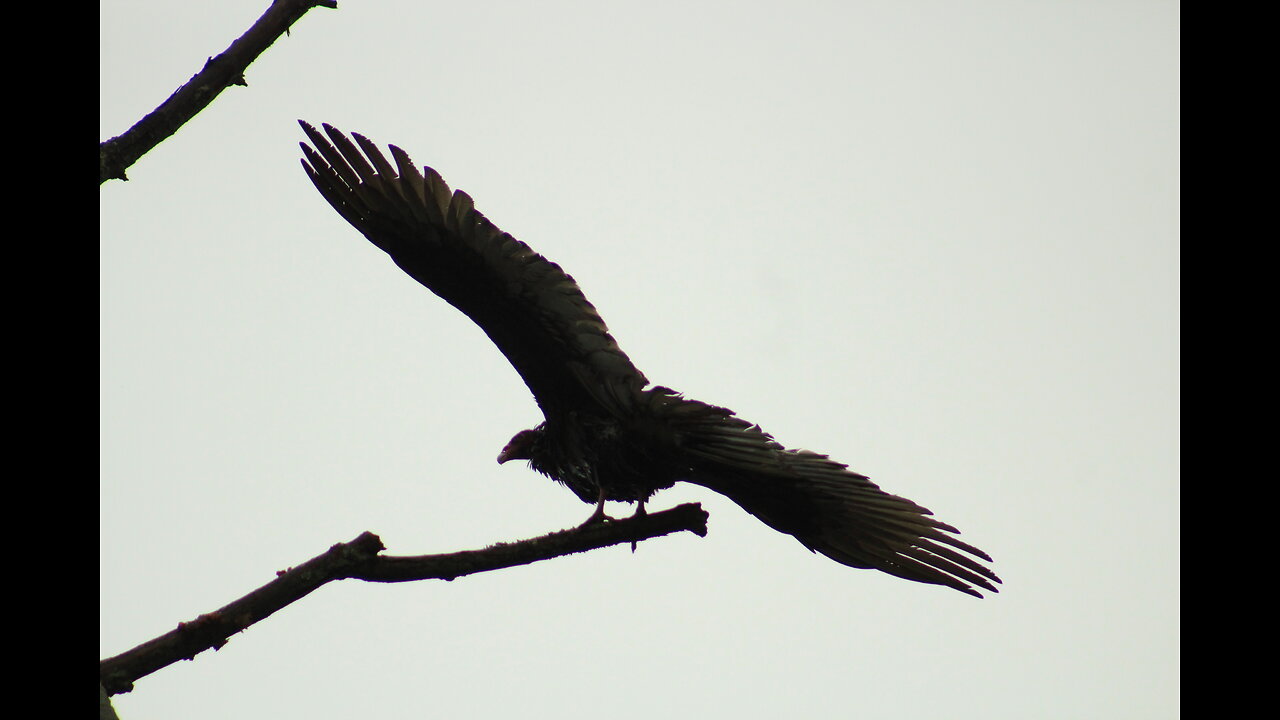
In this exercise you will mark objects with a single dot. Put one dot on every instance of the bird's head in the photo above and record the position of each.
(520, 447)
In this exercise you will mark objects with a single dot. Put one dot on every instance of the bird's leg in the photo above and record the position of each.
(598, 515)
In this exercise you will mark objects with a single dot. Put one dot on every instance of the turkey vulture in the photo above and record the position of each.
(608, 434)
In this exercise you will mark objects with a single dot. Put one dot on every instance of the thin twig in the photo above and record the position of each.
(359, 559)
(119, 153)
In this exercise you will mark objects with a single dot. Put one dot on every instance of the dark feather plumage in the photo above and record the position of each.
(608, 434)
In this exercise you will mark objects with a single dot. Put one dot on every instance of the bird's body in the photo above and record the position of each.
(609, 434)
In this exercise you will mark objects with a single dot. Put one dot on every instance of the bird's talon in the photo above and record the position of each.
(597, 518)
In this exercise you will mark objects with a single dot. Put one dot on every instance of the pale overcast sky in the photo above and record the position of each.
(936, 240)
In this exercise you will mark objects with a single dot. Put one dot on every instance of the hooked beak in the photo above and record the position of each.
(519, 447)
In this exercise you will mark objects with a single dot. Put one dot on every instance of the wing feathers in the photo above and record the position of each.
(827, 507)
(534, 312)
(382, 167)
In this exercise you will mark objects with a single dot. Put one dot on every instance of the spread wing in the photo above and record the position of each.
(534, 312)
(825, 505)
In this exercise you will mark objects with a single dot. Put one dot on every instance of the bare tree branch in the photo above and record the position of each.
(119, 153)
(360, 560)
(105, 709)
